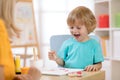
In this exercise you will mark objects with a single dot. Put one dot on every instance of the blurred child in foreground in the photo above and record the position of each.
(7, 31)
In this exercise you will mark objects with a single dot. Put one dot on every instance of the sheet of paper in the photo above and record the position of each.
(59, 71)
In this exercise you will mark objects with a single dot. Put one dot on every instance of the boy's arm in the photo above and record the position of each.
(98, 65)
(52, 56)
(59, 61)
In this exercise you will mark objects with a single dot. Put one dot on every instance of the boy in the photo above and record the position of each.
(81, 51)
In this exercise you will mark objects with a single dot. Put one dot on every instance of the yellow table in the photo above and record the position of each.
(99, 75)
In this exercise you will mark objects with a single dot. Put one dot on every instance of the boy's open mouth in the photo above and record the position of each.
(76, 35)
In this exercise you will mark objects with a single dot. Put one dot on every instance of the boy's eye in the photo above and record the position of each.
(75, 27)
(71, 27)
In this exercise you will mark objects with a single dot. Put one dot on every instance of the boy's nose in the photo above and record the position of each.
(75, 29)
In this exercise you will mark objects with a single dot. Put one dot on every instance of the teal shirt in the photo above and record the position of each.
(80, 54)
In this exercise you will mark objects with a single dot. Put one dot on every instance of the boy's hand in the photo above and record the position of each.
(52, 55)
(95, 67)
(91, 68)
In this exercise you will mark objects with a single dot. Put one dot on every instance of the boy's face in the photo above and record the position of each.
(79, 32)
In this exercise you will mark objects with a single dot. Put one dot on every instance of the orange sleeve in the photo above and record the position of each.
(6, 57)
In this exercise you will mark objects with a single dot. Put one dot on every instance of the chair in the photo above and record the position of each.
(57, 40)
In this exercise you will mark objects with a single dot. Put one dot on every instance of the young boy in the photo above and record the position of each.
(81, 51)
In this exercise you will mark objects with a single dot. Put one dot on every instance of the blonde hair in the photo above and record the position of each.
(6, 14)
(84, 16)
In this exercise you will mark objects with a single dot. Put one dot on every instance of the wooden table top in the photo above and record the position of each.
(99, 75)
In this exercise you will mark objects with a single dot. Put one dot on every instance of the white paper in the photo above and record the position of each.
(59, 71)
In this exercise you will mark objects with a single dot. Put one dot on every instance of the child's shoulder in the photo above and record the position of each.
(2, 26)
(94, 41)
(1, 21)
(69, 39)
